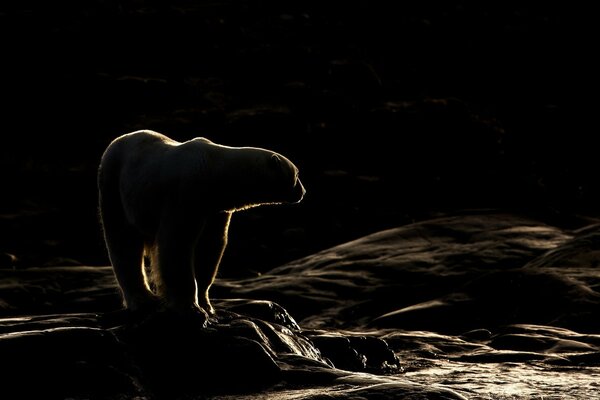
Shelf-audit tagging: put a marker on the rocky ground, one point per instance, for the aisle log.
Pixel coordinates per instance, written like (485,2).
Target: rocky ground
(471,306)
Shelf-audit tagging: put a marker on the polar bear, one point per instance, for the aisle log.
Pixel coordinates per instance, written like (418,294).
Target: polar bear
(171,202)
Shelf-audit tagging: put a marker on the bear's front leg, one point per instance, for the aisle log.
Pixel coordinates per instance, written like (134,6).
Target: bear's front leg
(174,273)
(209,250)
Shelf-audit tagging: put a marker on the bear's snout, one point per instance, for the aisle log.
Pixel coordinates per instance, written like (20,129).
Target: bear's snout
(298,192)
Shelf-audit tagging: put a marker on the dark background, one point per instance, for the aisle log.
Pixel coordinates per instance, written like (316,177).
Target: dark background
(393,111)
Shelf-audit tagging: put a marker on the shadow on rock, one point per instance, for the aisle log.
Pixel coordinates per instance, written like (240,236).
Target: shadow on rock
(164,355)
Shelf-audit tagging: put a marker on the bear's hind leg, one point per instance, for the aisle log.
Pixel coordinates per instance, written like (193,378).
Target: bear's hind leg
(125,250)
(208,254)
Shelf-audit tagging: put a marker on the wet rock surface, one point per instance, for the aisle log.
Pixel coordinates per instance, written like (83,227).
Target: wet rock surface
(429,310)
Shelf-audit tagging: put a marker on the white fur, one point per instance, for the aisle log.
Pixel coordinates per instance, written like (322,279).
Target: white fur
(172,202)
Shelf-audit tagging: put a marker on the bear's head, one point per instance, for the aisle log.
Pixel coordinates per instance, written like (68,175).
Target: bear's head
(285,173)
(269,179)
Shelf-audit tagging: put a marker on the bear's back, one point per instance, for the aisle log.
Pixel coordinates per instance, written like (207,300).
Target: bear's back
(139,140)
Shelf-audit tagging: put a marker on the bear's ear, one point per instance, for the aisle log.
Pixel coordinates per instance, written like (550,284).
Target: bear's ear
(275,161)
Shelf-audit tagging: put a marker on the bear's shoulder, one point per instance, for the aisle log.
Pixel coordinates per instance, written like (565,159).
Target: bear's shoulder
(202,140)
